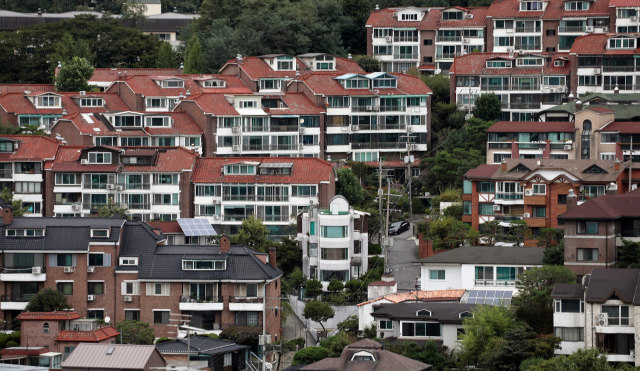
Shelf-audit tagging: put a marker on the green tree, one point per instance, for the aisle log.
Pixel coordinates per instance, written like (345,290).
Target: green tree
(73,75)
(370,331)
(133,15)
(481,331)
(454,211)
(135,332)
(245,335)
(309,355)
(67,48)
(349,186)
(335,344)
(508,352)
(550,237)
(48,300)
(16,204)
(446,169)
(349,325)
(584,359)
(193,56)
(628,254)
(335,285)
(440,86)
(518,232)
(368,63)
(112,209)
(318,311)
(534,304)
(313,287)
(555,255)
(428,354)
(528,363)
(289,255)
(487,107)
(252,234)
(297,279)
(167,57)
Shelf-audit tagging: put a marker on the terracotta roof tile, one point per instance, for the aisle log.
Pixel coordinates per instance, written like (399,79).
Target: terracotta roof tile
(626,127)
(256,68)
(215,104)
(624,3)
(432,295)
(526,127)
(591,44)
(476,64)
(599,109)
(483,171)
(92,336)
(433,20)
(111,74)
(306,170)
(327,85)
(33,148)
(296,104)
(147,85)
(607,207)
(167,227)
(65,154)
(19,104)
(24,351)
(21,88)
(53,316)
(168,160)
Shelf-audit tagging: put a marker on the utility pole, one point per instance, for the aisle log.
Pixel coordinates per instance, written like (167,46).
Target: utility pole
(380,192)
(408,159)
(386,229)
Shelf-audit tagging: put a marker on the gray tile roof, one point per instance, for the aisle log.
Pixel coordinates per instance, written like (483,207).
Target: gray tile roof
(573,291)
(139,239)
(26,222)
(440,312)
(488,255)
(623,282)
(199,344)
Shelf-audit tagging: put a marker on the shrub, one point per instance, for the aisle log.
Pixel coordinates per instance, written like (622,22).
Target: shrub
(309,355)
(11,344)
(163,339)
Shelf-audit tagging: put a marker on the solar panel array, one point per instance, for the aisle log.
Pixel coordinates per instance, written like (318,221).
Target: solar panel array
(490,297)
(196,227)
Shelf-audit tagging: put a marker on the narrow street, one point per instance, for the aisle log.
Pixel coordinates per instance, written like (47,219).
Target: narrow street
(401,257)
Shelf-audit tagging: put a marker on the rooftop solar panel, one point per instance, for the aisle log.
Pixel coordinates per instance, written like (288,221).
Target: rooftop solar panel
(196,227)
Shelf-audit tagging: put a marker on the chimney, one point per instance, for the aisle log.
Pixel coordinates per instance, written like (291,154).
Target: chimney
(503,165)
(7,215)
(93,212)
(515,152)
(239,58)
(616,165)
(350,56)
(225,245)
(578,105)
(272,256)
(572,200)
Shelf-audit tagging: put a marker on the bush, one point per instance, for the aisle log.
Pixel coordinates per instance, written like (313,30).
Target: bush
(11,344)
(309,355)
(15,336)
(4,338)
(163,339)
(374,249)
(528,363)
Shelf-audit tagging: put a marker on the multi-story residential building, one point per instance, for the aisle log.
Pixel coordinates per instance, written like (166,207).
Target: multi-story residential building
(151,182)
(273,189)
(600,313)
(334,241)
(489,271)
(535,191)
(427,38)
(525,83)
(129,129)
(620,105)
(406,322)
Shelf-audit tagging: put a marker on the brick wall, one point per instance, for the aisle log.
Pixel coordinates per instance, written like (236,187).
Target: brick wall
(47,190)
(273,314)
(133,100)
(186,195)
(71,134)
(550,41)
(32,332)
(8,118)
(606,247)
(205,122)
(369,40)
(428,50)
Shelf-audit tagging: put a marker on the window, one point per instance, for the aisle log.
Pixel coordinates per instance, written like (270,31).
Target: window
(568,306)
(48,101)
(27,187)
(569,333)
(285,63)
(558,63)
(386,325)
(587,254)
(191,240)
(553,80)
(622,43)
(32,207)
(127,121)
(99,158)
(97,233)
(95,313)
(246,318)
(531,5)
(165,179)
(69,349)
(45,328)
(96,288)
(618,314)
(562,199)
(303,191)
(156,103)
(328,276)
(576,5)
(240,169)
(551,32)
(529,62)
(539,212)
(486,187)
(67,179)
(270,84)
(357,83)
(193,264)
(161,317)
(214,84)
(498,64)
(128,261)
(466,187)
(420,329)
(485,209)
(335,231)
(252,290)
(91,102)
(65,287)
(409,17)
(173,84)
(65,260)
(335,254)
(207,190)
(498,157)
(25,232)
(166,199)
(466,207)
(192,141)
(382,32)
(587,227)
(609,137)
(427,42)
(539,189)
(484,273)
(133,315)
(436,274)
(96,260)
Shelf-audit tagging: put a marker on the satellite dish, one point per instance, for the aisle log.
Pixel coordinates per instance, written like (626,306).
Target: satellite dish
(438,71)
(107,319)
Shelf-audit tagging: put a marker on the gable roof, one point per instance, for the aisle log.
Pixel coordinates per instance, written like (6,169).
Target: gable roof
(325,84)
(199,345)
(488,255)
(91,336)
(623,282)
(146,85)
(167,160)
(31,148)
(476,64)
(48,316)
(430,295)
(19,104)
(526,127)
(125,356)
(567,291)
(295,104)
(433,20)
(256,68)
(606,207)
(440,312)
(21,88)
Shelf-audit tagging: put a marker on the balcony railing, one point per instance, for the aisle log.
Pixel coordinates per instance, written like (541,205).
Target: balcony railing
(509,196)
(255,128)
(500,145)
(284,128)
(572,28)
(402,39)
(405,56)
(137,206)
(630,233)
(204,299)
(449,38)
(28,172)
(527,46)
(620,86)
(18,298)
(29,270)
(494,87)
(531,145)
(6,174)
(508,217)
(620,321)
(525,87)
(626,147)
(94,185)
(393,108)
(364,108)
(273,198)
(495,283)
(379,145)
(284,147)
(67,202)
(245,299)
(524,105)
(618,68)
(238,197)
(255,147)
(528,29)
(561,146)
(446,55)
(587,196)
(93,205)
(273,218)
(236,218)
(135,185)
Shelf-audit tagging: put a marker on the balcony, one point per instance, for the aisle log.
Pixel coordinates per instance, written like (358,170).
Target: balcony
(494,87)
(284,147)
(524,106)
(531,145)
(255,128)
(510,196)
(449,38)
(528,29)
(393,108)
(135,185)
(138,206)
(209,303)
(561,146)
(527,46)
(405,39)
(626,147)
(495,283)
(525,87)
(508,217)
(379,145)
(94,185)
(23,274)
(6,174)
(406,56)
(15,302)
(93,205)
(582,197)
(572,29)
(364,108)
(620,86)
(273,218)
(235,217)
(255,147)
(447,55)
(283,128)
(273,198)
(629,233)
(618,69)
(245,303)
(228,197)
(620,321)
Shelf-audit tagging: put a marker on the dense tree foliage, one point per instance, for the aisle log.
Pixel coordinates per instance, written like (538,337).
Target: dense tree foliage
(7,196)
(318,311)
(74,74)
(628,254)
(349,186)
(487,107)
(48,300)
(167,57)
(135,332)
(309,355)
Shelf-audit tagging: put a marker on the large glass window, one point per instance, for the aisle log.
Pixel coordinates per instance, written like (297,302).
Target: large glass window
(335,254)
(618,314)
(486,187)
(485,209)
(420,329)
(335,231)
(569,333)
(466,207)
(328,276)
(587,227)
(587,254)
(466,187)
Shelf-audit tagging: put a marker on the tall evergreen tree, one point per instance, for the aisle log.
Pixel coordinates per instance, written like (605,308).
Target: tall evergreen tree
(74,74)
(167,57)
(67,48)
(193,56)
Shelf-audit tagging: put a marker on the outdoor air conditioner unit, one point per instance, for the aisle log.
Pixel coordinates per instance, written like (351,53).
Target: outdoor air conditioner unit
(311,202)
(510,50)
(111,187)
(216,217)
(605,29)
(368,108)
(68,269)
(124,206)
(75,207)
(184,298)
(596,71)
(528,192)
(84,162)
(561,89)
(496,207)
(235,129)
(236,147)
(465,40)
(470,16)
(395,14)
(36,270)
(302,130)
(128,298)
(376,108)
(91,297)
(82,92)
(300,146)
(388,38)
(634,18)
(552,90)
(602,319)
(119,187)
(91,269)
(589,28)
(527,215)
(567,147)
(355,127)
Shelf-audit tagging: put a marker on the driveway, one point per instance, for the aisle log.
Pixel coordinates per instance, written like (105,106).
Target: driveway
(401,257)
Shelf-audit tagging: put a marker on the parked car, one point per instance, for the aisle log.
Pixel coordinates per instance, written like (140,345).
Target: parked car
(398,227)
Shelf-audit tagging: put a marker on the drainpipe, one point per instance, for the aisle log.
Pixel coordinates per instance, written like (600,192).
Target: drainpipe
(264,325)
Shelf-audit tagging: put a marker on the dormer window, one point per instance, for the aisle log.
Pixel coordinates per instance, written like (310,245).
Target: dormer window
(529,62)
(521,167)
(133,160)
(99,233)
(126,121)
(452,16)
(128,261)
(270,84)
(324,62)
(356,84)
(384,83)
(409,17)
(25,232)
(240,170)
(466,315)
(558,63)
(99,158)
(530,5)
(363,356)
(423,312)
(248,104)
(197,265)
(576,5)
(595,169)
(156,103)
(48,101)
(91,102)
(498,64)
(622,43)
(172,84)
(285,63)
(157,122)
(214,84)
(6,146)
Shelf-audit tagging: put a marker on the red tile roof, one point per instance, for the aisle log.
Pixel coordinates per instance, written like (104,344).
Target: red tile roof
(215,104)
(590,44)
(599,109)
(433,20)
(296,104)
(624,3)
(51,316)
(383,283)
(526,127)
(476,64)
(427,67)
(92,336)
(167,227)
(482,171)
(501,9)
(306,170)
(555,10)
(77,167)
(66,154)
(431,295)
(387,164)
(24,351)
(32,148)
(256,68)
(607,207)
(111,74)
(627,127)
(385,18)
(147,86)
(168,160)
(19,104)
(326,84)
(21,88)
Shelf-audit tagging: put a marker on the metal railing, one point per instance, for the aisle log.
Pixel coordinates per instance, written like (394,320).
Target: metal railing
(135,185)
(620,86)
(28,172)
(502,145)
(93,205)
(508,217)
(527,46)
(364,108)
(284,128)
(531,145)
(29,270)
(238,197)
(618,68)
(393,108)
(572,28)
(528,29)
(255,147)
(401,39)
(626,147)
(509,196)
(204,299)
(630,233)
(525,87)
(22,298)
(449,38)
(273,218)
(620,321)
(236,218)
(494,87)
(255,128)
(406,56)
(137,206)
(560,145)
(379,145)
(273,198)
(6,174)
(67,202)
(245,299)
(523,106)
(94,185)
(588,196)
(446,55)
(495,282)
